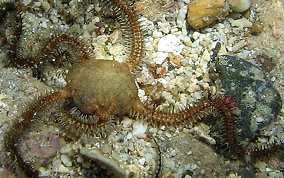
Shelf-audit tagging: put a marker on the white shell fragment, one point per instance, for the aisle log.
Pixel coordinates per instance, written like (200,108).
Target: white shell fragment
(110,163)
(170,43)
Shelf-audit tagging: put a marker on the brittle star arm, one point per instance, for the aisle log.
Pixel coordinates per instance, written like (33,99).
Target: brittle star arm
(188,116)
(12,138)
(220,108)
(50,46)
(132,32)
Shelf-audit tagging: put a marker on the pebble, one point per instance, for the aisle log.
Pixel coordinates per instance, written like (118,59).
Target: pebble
(149,157)
(44,24)
(45,5)
(170,43)
(241,23)
(54,19)
(181,16)
(27,2)
(206,12)
(256,28)
(126,122)
(142,161)
(129,136)
(261,165)
(160,57)
(43,172)
(66,160)
(63,169)
(240,5)
(66,149)
(139,129)
(277,33)
(157,34)
(164,27)
(239,45)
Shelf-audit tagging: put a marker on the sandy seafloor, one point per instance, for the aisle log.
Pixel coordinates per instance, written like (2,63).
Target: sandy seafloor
(185,152)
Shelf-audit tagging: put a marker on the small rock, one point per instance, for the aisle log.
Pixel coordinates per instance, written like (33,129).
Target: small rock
(241,23)
(45,5)
(277,33)
(126,122)
(114,36)
(260,165)
(247,173)
(164,27)
(66,160)
(206,12)
(240,5)
(170,43)
(239,45)
(142,161)
(27,2)
(129,136)
(256,28)
(139,128)
(43,146)
(66,149)
(63,169)
(181,16)
(160,57)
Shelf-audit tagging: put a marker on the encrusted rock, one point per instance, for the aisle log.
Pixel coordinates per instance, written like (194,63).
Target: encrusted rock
(252,92)
(206,12)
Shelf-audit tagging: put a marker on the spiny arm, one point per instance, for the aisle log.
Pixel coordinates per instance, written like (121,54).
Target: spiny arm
(12,138)
(129,22)
(50,46)
(189,116)
(222,108)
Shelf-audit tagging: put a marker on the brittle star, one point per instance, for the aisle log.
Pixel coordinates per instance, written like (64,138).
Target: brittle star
(98,91)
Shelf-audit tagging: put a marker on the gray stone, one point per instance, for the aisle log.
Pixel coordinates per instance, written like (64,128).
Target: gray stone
(252,92)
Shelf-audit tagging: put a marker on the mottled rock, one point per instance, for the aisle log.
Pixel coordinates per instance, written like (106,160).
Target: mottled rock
(253,93)
(41,147)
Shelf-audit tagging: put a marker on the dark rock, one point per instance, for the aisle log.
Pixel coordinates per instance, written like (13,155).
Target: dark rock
(252,92)
(245,173)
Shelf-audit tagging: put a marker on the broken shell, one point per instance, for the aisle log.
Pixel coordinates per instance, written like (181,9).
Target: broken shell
(206,12)
(107,162)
